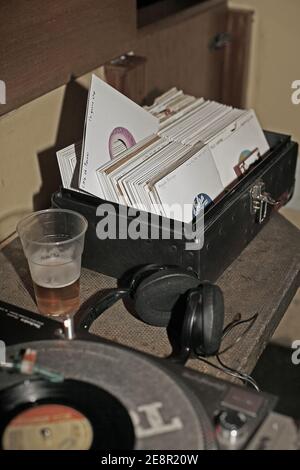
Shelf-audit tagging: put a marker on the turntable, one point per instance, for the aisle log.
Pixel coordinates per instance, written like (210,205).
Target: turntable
(93,394)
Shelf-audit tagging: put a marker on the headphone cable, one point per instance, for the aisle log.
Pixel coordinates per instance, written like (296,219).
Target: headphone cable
(232,372)
(245,378)
(233,325)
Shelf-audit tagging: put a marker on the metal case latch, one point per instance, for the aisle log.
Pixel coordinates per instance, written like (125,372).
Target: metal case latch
(260,200)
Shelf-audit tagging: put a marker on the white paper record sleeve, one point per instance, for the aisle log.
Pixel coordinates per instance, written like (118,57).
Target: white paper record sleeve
(194,184)
(111,119)
(242,140)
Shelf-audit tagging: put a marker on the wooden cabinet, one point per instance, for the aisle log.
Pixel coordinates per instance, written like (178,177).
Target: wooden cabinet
(179,52)
(46,43)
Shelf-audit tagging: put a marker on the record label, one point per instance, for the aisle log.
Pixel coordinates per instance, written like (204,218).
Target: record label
(48,427)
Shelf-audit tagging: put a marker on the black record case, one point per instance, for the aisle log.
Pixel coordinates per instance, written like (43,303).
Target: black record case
(229,224)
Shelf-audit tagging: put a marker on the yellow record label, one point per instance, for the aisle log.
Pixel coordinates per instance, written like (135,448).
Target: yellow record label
(48,427)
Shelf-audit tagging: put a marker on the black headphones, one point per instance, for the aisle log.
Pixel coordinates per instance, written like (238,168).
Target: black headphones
(168,295)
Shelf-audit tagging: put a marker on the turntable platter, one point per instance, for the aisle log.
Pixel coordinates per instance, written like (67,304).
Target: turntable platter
(111,397)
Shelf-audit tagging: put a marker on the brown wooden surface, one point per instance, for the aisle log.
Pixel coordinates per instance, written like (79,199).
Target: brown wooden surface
(44,43)
(236,60)
(178,53)
(128,75)
(263,279)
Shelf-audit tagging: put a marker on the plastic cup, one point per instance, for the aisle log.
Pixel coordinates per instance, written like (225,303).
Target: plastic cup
(53,242)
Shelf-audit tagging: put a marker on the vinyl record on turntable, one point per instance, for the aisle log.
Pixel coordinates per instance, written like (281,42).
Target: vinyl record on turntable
(63,417)
(111,398)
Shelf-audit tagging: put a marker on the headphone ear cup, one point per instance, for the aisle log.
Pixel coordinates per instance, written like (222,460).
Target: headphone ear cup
(208,325)
(202,327)
(191,329)
(160,294)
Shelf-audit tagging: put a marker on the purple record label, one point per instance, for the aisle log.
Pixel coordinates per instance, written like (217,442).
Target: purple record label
(124,136)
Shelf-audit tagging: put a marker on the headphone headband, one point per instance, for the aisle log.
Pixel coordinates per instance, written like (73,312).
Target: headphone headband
(149,269)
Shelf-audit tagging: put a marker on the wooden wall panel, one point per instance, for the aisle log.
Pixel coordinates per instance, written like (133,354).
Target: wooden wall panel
(236,61)
(127,74)
(43,43)
(180,54)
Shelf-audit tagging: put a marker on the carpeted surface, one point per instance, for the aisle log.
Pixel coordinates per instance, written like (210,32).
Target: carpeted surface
(276,374)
